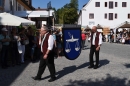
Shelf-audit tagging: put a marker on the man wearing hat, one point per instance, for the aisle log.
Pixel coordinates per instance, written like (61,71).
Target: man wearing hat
(4,40)
(47,43)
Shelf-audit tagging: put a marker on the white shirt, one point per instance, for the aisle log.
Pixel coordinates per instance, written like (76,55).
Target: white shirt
(100,39)
(50,42)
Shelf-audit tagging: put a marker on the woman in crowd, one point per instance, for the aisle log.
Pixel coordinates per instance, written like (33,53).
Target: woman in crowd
(32,43)
(83,36)
(24,41)
(59,42)
(14,47)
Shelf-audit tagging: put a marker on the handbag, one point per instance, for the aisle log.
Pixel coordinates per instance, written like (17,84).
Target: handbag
(25,42)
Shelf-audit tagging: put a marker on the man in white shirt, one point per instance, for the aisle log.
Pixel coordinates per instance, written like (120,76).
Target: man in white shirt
(96,41)
(47,43)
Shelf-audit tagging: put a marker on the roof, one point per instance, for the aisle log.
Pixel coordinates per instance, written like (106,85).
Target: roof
(87,3)
(84,6)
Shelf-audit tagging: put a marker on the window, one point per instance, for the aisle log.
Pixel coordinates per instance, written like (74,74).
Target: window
(97,4)
(1,3)
(105,4)
(24,9)
(91,16)
(116,16)
(128,16)
(19,7)
(110,5)
(10,5)
(110,16)
(115,4)
(124,4)
(105,16)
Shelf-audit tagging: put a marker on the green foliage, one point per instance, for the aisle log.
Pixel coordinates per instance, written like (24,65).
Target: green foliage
(74,4)
(70,19)
(33,27)
(68,13)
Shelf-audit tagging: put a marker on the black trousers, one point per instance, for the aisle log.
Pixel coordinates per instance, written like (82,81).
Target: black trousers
(83,43)
(92,51)
(47,62)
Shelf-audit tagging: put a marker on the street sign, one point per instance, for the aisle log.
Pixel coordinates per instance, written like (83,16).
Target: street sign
(71,41)
(49,5)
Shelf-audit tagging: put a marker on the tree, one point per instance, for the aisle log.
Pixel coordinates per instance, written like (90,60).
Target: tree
(68,14)
(70,19)
(74,4)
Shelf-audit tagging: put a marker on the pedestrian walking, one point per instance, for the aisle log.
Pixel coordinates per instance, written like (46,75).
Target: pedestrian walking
(96,41)
(47,59)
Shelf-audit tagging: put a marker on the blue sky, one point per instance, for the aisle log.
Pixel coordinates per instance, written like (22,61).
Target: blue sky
(55,3)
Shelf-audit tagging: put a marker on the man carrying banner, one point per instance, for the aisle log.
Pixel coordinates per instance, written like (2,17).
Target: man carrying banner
(96,41)
(47,59)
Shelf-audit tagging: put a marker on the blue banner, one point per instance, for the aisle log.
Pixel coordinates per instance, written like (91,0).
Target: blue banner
(71,41)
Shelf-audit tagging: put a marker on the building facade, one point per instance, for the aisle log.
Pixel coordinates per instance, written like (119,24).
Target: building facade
(1,5)
(15,5)
(107,13)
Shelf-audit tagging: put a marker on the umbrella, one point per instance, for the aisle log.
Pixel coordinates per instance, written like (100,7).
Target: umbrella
(11,20)
(99,26)
(126,24)
(87,28)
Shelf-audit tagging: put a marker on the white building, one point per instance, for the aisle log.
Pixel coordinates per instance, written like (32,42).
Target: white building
(107,13)
(24,8)
(15,5)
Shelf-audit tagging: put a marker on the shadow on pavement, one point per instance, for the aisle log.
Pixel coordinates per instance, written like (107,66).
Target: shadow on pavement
(109,81)
(103,62)
(127,65)
(8,76)
(71,69)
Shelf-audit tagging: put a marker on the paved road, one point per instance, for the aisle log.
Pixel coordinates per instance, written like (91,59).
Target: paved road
(114,70)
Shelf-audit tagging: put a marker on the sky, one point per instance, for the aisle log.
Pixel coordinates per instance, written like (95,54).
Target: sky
(55,3)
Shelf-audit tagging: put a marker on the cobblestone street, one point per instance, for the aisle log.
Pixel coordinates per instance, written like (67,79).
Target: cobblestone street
(114,70)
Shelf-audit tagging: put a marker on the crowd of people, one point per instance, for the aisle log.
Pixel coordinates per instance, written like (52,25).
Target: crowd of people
(122,37)
(23,44)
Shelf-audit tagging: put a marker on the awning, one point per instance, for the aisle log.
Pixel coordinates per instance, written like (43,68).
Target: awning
(39,14)
(11,20)
(34,14)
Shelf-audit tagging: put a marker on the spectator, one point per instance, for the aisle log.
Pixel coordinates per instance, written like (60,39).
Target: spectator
(24,41)
(5,40)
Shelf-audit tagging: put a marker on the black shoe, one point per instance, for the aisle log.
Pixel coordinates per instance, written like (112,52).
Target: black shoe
(90,66)
(52,79)
(35,78)
(95,67)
